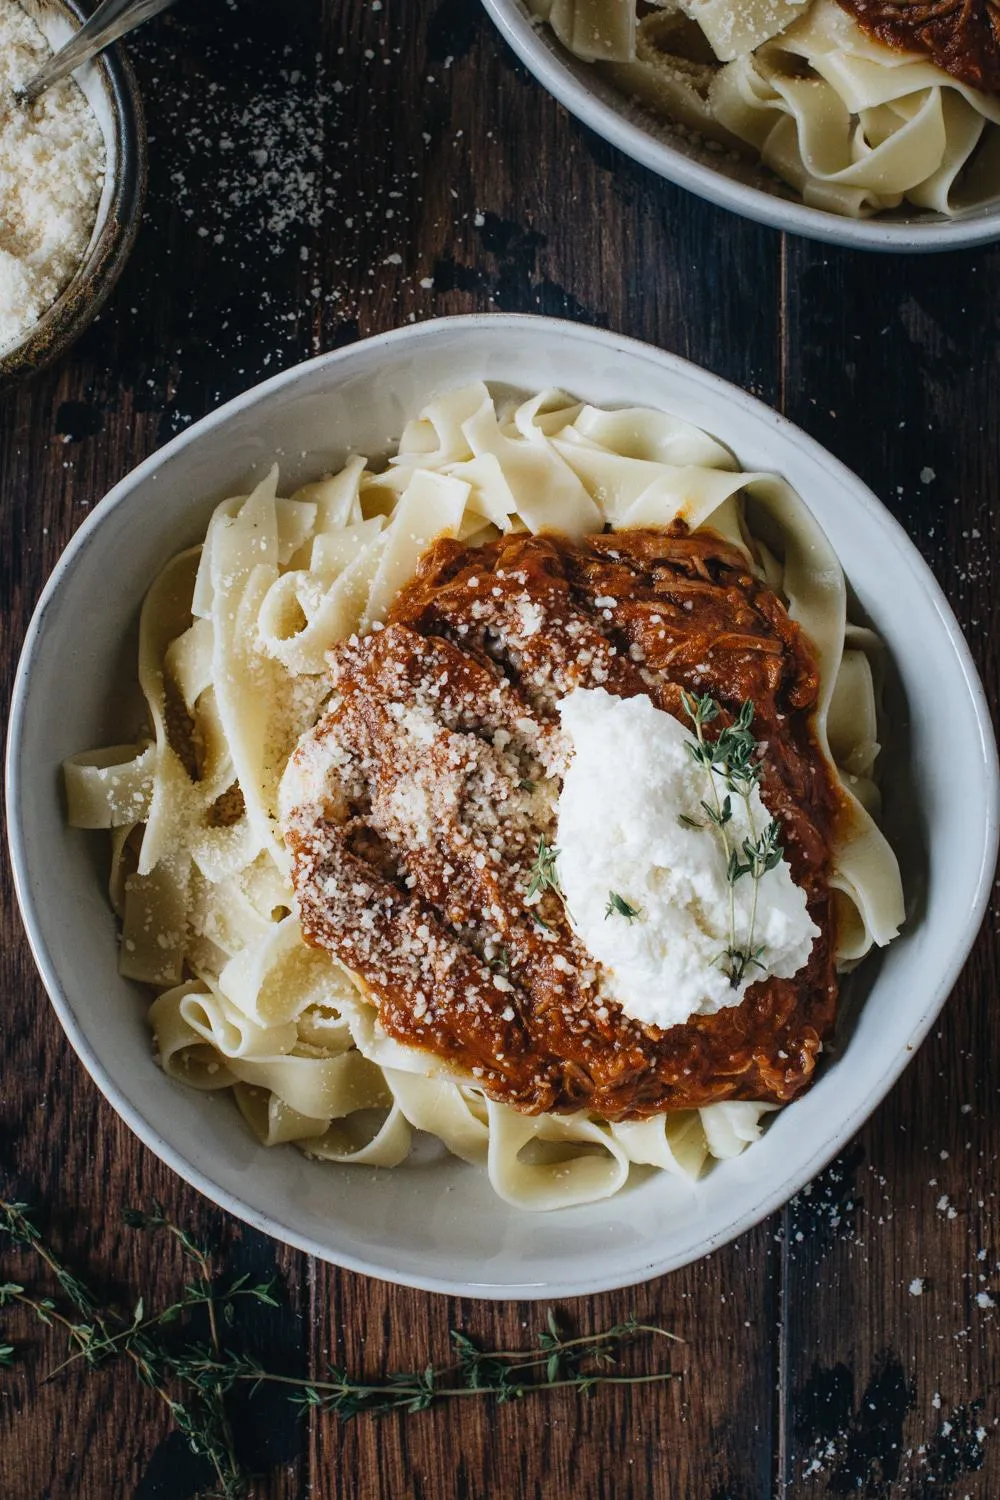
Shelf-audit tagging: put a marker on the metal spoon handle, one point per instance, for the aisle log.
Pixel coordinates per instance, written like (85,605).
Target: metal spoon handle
(111,19)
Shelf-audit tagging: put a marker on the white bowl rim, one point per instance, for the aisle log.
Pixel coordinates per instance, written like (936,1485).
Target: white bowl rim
(131,1113)
(558,78)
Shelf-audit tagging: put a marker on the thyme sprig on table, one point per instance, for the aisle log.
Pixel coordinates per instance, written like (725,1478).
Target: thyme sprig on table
(98,1336)
(734,757)
(194,1375)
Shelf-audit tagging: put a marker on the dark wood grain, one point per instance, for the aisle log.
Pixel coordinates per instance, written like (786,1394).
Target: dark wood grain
(313,183)
(894,1367)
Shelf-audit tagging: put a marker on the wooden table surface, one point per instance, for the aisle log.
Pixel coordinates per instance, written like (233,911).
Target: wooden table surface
(321,171)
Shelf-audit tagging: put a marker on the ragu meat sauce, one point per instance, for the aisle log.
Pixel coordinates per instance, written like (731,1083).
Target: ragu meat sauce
(439,769)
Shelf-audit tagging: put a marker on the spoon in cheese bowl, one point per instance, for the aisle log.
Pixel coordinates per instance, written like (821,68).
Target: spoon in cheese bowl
(111,20)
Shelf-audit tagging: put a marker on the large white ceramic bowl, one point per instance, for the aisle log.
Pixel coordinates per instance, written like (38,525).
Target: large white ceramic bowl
(438,1226)
(713,175)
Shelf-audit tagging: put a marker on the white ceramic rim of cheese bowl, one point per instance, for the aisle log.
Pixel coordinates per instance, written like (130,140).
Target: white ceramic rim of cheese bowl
(438,1226)
(618,120)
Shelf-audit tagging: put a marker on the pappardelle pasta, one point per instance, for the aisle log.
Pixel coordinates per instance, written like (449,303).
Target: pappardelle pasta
(352,751)
(855,126)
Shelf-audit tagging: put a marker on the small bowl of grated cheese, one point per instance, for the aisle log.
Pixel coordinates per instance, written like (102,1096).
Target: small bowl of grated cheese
(72,178)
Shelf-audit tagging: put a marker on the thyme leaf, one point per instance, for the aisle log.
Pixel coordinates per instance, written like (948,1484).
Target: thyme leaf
(543,875)
(194,1373)
(734,758)
(721,816)
(618,906)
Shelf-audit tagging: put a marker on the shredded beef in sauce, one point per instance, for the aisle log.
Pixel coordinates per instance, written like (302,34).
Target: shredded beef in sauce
(436,772)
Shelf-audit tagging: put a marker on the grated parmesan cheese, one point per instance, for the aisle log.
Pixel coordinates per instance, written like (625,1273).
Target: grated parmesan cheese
(52,162)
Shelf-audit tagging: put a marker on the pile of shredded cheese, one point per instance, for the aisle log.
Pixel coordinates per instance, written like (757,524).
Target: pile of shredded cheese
(52,161)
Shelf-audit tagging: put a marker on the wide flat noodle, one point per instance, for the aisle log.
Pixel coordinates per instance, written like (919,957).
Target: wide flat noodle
(536,1161)
(592,29)
(233,640)
(854,126)
(671,74)
(735,29)
(732,1125)
(108,788)
(455,1115)
(674,1142)
(865,870)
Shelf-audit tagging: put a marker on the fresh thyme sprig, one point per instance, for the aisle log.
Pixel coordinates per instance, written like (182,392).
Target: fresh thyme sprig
(734,757)
(554,1364)
(97,1336)
(543,875)
(194,1376)
(618,906)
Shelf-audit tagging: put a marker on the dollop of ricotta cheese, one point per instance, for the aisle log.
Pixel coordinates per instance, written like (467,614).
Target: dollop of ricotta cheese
(629,784)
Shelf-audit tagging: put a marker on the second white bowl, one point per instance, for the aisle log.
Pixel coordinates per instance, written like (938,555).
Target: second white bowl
(611,115)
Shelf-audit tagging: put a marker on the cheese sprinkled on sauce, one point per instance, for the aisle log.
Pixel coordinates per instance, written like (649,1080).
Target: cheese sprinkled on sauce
(629,783)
